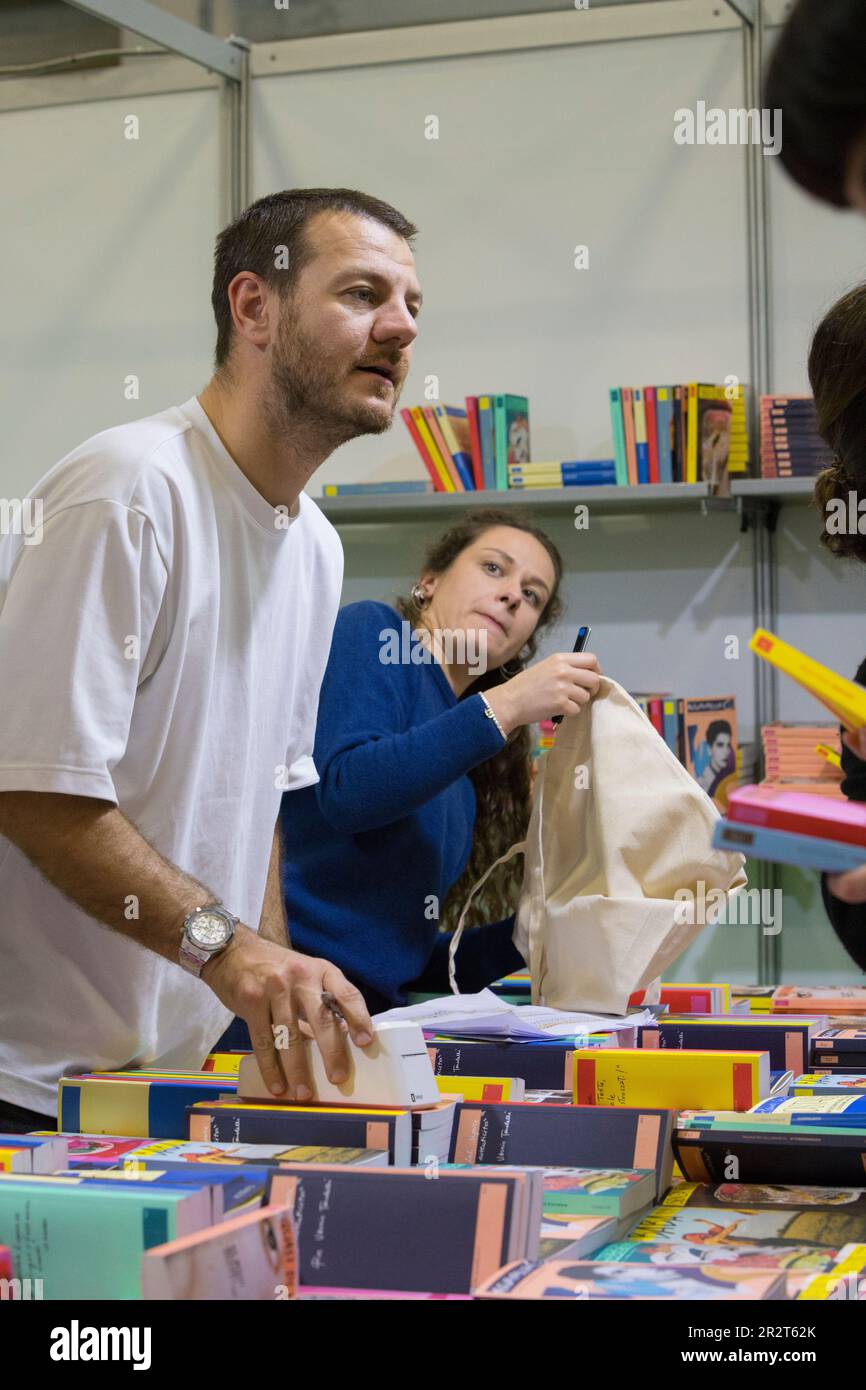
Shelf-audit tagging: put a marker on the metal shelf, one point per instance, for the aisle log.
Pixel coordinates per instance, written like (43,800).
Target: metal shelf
(396,507)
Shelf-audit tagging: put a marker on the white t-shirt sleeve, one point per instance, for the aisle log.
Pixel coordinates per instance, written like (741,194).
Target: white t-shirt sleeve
(76,627)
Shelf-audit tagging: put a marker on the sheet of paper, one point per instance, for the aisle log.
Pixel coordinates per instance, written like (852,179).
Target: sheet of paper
(485,1015)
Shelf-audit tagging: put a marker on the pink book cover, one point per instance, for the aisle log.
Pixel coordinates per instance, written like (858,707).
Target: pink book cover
(250,1258)
(800,812)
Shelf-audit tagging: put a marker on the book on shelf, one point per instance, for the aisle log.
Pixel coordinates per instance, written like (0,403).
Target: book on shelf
(386,489)
(682,434)
(790,443)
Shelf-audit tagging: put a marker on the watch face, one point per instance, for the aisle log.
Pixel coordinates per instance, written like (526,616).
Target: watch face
(209,929)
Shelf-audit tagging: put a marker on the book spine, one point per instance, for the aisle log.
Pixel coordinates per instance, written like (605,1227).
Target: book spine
(442,449)
(640,436)
(664,417)
(618,430)
(461,461)
(652,437)
(486,429)
(475,439)
(691,473)
(628,425)
(428,450)
(500,435)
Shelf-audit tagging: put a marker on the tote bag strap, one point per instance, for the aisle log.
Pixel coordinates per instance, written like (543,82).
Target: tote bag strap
(458,931)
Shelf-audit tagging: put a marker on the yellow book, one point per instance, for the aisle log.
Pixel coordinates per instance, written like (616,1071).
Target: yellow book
(432,448)
(493,1089)
(673,1078)
(844,1280)
(846,700)
(226,1063)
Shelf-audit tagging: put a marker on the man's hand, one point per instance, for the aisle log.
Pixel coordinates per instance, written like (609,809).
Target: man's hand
(269,986)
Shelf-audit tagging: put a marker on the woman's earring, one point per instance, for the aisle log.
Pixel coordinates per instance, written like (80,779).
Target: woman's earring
(420,598)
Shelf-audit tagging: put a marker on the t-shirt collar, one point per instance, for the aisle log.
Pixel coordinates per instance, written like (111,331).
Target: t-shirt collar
(262,512)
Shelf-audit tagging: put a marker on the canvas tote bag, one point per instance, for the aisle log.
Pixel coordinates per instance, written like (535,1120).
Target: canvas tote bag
(618,828)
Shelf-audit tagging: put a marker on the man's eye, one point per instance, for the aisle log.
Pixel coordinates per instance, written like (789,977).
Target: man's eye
(362,292)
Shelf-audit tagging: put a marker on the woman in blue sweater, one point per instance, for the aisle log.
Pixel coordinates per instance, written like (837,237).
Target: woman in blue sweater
(423,755)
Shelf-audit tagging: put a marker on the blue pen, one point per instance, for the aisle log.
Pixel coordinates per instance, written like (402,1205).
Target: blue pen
(579,646)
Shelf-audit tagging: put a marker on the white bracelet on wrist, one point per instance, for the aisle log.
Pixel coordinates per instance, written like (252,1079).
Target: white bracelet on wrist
(488,710)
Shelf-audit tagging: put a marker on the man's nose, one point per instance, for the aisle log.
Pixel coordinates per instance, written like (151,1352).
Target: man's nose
(394,323)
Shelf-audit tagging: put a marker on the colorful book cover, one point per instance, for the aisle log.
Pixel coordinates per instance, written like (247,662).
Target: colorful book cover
(419,420)
(799,812)
(237,1122)
(851,1201)
(168,1152)
(85,1240)
(784,847)
(251,1257)
(679,429)
(765,1154)
(442,449)
(539,1067)
(409,420)
(849,1040)
(493,1088)
(567,1135)
(133,1104)
(463,1226)
(710,744)
(229,1189)
(594,1280)
(640,436)
(718,1225)
(698,1253)
(677,1077)
(511,432)
(454,424)
(786,1042)
(846,700)
(826,1111)
(618,431)
(822,999)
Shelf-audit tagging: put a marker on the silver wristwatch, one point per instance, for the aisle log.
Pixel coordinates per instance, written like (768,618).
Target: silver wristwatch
(206,931)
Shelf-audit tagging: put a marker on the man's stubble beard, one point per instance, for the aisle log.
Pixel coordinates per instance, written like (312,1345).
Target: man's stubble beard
(302,394)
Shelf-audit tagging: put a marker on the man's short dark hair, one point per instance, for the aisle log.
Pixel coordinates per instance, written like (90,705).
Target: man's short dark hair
(254,240)
(817,78)
(718,726)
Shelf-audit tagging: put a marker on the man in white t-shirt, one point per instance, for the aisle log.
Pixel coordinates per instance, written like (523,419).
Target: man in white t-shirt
(163,635)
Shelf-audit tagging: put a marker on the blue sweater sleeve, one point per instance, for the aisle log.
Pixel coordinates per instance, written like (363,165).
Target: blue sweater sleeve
(375,767)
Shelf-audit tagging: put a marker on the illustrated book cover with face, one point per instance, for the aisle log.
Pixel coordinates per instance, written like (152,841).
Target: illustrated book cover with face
(710,745)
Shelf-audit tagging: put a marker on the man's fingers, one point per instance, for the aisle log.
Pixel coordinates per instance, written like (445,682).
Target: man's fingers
(293,1050)
(350,1002)
(328,1034)
(264,1046)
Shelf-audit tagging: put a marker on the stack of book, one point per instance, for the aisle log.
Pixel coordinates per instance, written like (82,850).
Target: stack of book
(803,757)
(679,434)
(549,1167)
(798,828)
(790,444)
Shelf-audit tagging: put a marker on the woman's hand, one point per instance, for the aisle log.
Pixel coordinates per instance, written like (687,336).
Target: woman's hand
(561,684)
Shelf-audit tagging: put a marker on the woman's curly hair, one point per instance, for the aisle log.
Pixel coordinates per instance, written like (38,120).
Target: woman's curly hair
(837,372)
(502,783)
